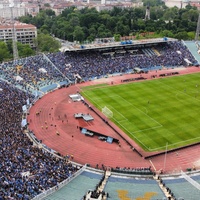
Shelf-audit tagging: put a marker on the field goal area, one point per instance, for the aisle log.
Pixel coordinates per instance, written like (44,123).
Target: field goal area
(107,112)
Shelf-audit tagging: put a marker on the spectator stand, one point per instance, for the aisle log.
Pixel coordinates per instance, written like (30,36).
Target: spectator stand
(27,76)
(23,173)
(132,187)
(33,74)
(59,186)
(86,182)
(93,64)
(182,186)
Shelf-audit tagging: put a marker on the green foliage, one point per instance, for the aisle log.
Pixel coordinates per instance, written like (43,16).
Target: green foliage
(153,2)
(191,35)
(4,52)
(182,35)
(167,33)
(117,37)
(24,50)
(47,5)
(47,43)
(93,24)
(49,12)
(78,34)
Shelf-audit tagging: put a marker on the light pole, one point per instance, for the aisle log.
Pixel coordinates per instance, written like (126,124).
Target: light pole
(165,157)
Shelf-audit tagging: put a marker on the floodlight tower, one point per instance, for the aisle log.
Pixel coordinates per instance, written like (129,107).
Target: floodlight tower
(14,38)
(198,29)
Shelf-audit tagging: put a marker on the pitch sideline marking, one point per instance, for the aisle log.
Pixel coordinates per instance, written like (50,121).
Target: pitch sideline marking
(179,91)
(119,123)
(125,119)
(150,149)
(141,111)
(175,143)
(131,133)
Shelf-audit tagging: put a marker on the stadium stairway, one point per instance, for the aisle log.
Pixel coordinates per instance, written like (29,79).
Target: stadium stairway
(193,49)
(102,186)
(162,187)
(100,189)
(156,51)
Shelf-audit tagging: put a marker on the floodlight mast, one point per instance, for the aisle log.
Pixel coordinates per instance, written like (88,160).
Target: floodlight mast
(198,29)
(14,39)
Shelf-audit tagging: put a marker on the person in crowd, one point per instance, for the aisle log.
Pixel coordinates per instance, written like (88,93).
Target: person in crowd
(25,169)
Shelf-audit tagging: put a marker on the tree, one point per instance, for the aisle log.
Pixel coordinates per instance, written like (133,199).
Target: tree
(153,2)
(74,21)
(46,43)
(167,33)
(106,23)
(191,15)
(191,35)
(4,52)
(44,29)
(170,14)
(49,12)
(24,50)
(89,19)
(78,34)
(117,37)
(182,35)
(141,24)
(26,19)
(111,23)
(47,5)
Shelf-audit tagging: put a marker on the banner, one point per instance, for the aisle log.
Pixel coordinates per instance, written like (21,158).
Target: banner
(24,108)
(28,101)
(23,123)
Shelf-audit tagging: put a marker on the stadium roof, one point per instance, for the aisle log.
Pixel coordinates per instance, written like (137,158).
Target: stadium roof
(116,45)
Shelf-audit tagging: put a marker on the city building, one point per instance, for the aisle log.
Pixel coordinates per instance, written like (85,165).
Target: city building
(5,10)
(25,33)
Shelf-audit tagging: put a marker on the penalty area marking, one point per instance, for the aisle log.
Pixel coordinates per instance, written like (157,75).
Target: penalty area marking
(131,133)
(125,119)
(141,111)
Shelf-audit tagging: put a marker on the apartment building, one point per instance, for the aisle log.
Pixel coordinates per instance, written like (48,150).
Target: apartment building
(25,33)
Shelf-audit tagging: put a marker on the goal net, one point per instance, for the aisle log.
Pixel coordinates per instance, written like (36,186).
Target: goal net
(107,112)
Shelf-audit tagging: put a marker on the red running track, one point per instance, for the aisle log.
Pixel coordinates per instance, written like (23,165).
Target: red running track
(58,129)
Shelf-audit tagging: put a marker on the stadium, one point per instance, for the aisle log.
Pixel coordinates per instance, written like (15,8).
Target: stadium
(114,120)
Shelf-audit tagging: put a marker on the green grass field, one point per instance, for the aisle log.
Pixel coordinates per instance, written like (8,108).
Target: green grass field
(155,113)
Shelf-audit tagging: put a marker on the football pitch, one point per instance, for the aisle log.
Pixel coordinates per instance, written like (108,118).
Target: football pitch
(157,114)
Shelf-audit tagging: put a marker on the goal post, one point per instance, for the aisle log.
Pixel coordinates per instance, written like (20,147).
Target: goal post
(107,112)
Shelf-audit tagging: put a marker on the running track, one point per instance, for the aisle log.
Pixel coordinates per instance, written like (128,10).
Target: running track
(57,115)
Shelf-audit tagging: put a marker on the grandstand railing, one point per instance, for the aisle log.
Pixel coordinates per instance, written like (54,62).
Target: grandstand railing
(190,180)
(59,186)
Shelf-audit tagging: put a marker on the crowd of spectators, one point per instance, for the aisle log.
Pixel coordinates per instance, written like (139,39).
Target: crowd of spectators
(25,169)
(96,64)
(31,73)
(127,170)
(34,72)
